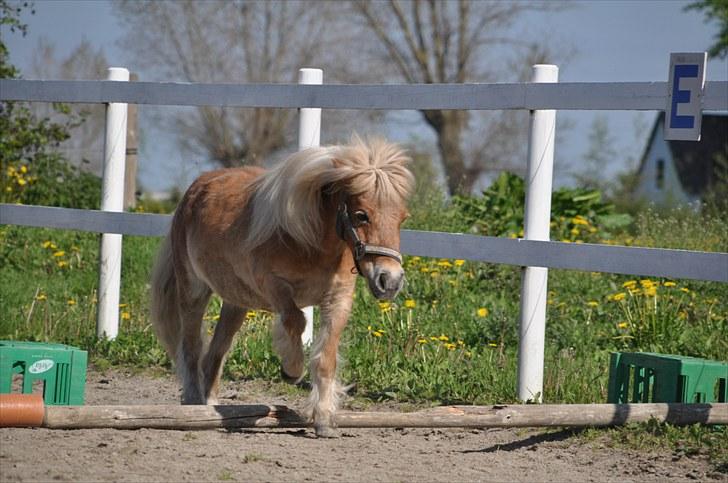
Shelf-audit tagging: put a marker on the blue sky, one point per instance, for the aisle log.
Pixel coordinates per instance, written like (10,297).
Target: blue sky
(614,41)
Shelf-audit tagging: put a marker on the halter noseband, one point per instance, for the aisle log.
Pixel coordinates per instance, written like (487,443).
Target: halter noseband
(345,227)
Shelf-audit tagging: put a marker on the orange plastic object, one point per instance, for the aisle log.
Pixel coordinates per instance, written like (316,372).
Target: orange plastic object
(21,410)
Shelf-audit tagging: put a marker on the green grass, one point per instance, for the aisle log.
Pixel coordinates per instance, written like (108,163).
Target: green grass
(450,337)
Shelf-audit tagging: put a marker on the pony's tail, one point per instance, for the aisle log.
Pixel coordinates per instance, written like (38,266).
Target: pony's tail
(164,303)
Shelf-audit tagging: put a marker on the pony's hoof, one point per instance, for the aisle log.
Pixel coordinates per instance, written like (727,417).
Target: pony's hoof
(290,379)
(326,432)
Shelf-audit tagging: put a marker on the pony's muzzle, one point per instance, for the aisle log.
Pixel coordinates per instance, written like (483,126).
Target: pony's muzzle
(386,282)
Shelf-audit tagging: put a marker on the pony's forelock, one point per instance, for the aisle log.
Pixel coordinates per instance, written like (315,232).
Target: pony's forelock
(288,198)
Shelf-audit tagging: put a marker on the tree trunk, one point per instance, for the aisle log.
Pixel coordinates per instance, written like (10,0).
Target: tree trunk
(449,126)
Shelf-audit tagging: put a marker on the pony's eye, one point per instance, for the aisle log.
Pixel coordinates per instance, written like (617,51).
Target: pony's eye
(361,217)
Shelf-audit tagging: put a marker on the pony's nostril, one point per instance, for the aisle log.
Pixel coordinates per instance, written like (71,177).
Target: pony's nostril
(382,280)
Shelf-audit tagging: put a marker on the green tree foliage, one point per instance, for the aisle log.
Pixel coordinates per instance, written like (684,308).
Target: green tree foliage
(716,10)
(31,170)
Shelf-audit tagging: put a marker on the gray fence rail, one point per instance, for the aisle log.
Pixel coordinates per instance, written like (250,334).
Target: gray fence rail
(648,96)
(656,262)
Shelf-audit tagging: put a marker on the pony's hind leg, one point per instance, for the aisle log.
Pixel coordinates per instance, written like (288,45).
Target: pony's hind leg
(231,319)
(192,309)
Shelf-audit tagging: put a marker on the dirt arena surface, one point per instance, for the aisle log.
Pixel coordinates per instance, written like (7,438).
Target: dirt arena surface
(417,455)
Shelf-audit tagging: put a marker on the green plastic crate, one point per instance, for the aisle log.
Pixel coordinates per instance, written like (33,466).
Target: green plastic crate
(646,377)
(59,369)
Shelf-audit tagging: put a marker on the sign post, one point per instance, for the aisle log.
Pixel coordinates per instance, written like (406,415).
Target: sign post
(686,86)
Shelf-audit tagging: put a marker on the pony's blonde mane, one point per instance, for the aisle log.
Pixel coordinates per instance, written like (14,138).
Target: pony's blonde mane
(288,198)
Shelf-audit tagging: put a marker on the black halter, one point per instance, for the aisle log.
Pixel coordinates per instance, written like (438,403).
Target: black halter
(345,227)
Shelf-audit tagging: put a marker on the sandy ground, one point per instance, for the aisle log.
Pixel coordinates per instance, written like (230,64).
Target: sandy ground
(420,455)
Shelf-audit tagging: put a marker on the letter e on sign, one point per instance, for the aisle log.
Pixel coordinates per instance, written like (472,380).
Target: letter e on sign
(686,84)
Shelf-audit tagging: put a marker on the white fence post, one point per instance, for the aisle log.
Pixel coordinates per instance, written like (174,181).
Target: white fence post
(537,219)
(309,135)
(112,199)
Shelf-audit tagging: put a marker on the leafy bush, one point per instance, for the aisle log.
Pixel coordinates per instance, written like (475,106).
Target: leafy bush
(32,172)
(577,214)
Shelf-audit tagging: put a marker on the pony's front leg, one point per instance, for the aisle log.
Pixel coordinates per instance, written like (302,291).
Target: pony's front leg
(287,329)
(326,391)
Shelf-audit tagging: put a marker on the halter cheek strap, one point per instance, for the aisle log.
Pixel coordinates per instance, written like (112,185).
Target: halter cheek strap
(345,228)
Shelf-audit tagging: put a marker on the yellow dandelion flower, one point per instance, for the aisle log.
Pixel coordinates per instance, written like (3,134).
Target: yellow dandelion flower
(574,231)
(424,269)
(492,344)
(450,346)
(651,291)
(619,296)
(71,302)
(444,263)
(482,312)
(41,296)
(647,283)
(435,273)
(669,284)
(579,220)
(432,337)
(459,263)
(385,306)
(47,244)
(23,169)
(62,264)
(622,325)
(59,253)
(593,303)
(121,306)
(629,283)
(125,316)
(444,338)
(410,304)
(685,289)
(250,314)
(461,342)
(377,334)
(422,341)
(21,181)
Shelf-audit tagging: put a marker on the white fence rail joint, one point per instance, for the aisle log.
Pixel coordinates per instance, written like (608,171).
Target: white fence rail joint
(655,262)
(646,96)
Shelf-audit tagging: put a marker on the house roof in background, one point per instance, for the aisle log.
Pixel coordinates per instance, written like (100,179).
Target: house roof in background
(695,162)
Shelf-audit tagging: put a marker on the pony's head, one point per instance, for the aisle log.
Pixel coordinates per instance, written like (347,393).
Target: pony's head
(366,182)
(371,206)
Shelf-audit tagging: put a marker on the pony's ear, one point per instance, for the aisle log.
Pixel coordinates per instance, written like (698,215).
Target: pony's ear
(330,190)
(337,162)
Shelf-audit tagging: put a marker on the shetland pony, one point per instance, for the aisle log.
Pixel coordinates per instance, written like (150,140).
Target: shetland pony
(291,237)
